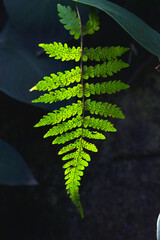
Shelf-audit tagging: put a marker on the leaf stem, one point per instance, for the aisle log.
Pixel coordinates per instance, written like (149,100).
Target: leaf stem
(81,66)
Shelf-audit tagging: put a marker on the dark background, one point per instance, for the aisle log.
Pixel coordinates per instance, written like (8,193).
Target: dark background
(120,189)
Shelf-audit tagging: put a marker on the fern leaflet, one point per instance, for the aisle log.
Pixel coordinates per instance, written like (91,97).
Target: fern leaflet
(103,54)
(70,20)
(93,23)
(62,51)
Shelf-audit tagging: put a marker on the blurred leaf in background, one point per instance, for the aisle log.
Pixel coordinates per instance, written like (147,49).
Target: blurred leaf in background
(13,170)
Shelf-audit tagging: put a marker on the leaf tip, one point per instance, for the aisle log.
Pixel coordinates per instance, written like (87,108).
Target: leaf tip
(33,88)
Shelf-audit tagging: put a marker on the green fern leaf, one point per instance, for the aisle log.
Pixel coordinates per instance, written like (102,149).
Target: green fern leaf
(93,23)
(60,95)
(97,123)
(62,51)
(102,70)
(85,156)
(69,147)
(58,80)
(70,156)
(89,146)
(105,87)
(92,134)
(68,136)
(103,109)
(72,146)
(71,125)
(65,126)
(76,165)
(70,20)
(61,115)
(76,134)
(103,54)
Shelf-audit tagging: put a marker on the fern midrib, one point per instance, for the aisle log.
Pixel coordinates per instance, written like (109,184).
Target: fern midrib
(81,69)
(80,149)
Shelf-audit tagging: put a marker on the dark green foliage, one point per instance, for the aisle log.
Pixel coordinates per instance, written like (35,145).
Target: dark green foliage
(93,23)
(70,20)
(73,122)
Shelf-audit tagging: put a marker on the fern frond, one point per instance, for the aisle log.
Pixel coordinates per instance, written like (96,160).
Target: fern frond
(71,125)
(105,87)
(70,20)
(61,115)
(60,95)
(58,80)
(103,54)
(62,51)
(93,23)
(103,109)
(102,70)
(97,123)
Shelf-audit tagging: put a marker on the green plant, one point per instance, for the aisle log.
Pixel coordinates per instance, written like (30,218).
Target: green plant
(74,122)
